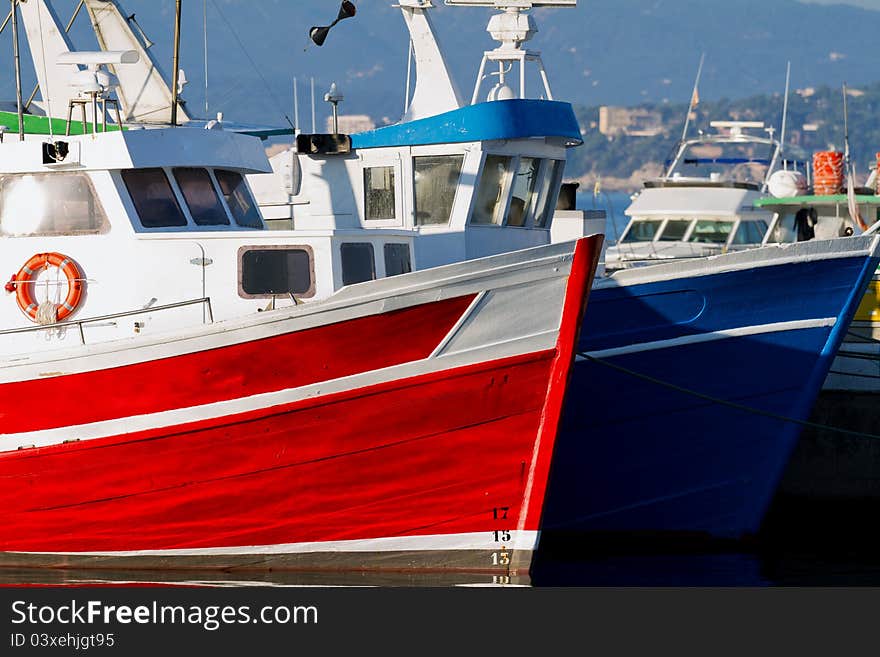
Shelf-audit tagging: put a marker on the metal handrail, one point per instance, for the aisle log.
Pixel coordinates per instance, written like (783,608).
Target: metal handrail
(79,323)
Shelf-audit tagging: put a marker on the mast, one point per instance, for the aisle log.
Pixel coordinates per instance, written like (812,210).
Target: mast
(176,72)
(18,102)
(692,104)
(785,106)
(779,147)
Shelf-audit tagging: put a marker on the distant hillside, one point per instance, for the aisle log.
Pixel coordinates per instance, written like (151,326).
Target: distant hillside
(622,162)
(620,52)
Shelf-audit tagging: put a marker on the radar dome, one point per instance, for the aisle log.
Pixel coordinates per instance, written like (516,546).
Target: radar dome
(787,183)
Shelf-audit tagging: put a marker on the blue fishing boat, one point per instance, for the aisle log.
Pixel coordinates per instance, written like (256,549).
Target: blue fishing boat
(690,384)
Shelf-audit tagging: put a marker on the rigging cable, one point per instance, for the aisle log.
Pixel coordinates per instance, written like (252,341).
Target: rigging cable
(205,28)
(250,59)
(46,77)
(722,402)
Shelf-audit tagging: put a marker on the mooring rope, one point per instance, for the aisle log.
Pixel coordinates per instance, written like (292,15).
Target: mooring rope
(723,402)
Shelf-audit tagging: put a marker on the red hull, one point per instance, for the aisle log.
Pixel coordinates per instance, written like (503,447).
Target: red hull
(390,466)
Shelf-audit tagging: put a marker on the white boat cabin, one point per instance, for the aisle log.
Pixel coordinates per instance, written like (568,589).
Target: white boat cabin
(177,202)
(467,179)
(704,203)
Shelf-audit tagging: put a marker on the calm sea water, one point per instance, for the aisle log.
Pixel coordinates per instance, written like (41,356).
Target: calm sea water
(614,203)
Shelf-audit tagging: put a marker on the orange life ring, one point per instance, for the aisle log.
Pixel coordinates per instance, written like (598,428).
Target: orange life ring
(24,284)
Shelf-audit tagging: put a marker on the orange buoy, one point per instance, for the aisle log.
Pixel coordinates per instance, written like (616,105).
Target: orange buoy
(24,284)
(827,172)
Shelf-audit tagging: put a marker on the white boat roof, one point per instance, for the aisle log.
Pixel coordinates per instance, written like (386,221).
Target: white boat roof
(690,201)
(146,148)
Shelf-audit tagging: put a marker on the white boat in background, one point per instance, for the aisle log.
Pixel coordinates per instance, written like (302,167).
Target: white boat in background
(704,203)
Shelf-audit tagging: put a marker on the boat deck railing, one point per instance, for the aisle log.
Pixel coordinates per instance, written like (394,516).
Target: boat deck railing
(207,317)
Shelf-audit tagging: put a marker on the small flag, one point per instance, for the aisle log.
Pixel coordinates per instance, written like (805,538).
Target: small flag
(695,99)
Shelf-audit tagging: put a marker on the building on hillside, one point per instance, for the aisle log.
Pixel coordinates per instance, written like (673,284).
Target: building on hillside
(634,122)
(349,124)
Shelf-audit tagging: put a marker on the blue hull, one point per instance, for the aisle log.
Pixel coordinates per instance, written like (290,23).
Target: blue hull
(637,455)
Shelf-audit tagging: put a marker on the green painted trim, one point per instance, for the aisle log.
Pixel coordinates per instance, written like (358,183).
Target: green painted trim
(816,200)
(39,125)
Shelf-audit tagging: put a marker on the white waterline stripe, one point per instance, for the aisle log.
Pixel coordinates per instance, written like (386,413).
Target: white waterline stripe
(742,331)
(520,540)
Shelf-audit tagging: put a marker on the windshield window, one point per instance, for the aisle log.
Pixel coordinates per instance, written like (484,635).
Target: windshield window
(153,198)
(549,192)
(490,204)
(436,178)
(642,230)
(675,230)
(523,191)
(749,232)
(201,197)
(238,198)
(49,204)
(713,232)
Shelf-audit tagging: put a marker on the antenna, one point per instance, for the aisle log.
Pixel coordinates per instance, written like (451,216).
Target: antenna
(205,49)
(779,146)
(853,206)
(785,105)
(313,107)
(295,106)
(175,87)
(694,97)
(845,129)
(334,97)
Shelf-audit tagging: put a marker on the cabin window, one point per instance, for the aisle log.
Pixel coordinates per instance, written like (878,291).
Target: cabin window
(49,204)
(397,260)
(201,197)
(490,193)
(238,198)
(523,191)
(712,232)
(357,262)
(436,179)
(273,271)
(675,230)
(549,192)
(379,193)
(153,198)
(641,230)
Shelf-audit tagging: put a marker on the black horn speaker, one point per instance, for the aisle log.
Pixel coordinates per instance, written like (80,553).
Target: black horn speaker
(319,34)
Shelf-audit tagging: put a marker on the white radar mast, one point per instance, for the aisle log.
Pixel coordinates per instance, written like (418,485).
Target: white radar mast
(512,27)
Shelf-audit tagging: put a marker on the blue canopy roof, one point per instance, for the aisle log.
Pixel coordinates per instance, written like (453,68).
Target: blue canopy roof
(499,119)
